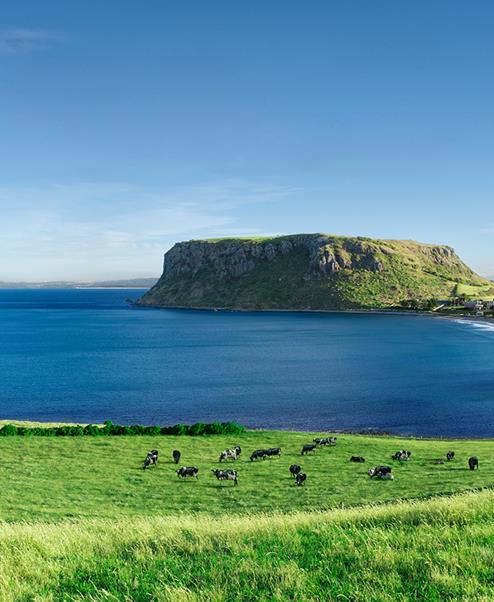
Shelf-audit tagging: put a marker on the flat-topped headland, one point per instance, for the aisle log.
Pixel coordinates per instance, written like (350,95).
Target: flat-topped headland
(309,272)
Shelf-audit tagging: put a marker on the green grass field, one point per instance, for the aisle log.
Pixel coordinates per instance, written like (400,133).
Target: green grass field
(86,477)
(81,520)
(485,292)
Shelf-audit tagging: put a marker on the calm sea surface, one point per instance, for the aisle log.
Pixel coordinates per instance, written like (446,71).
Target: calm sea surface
(84,355)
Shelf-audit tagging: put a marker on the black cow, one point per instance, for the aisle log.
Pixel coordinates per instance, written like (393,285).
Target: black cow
(238,449)
(295,469)
(357,459)
(273,451)
(473,463)
(225,475)
(176,456)
(187,471)
(258,453)
(450,455)
(380,472)
(151,459)
(300,478)
(308,448)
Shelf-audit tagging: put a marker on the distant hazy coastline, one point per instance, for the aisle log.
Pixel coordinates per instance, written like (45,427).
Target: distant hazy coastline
(140,283)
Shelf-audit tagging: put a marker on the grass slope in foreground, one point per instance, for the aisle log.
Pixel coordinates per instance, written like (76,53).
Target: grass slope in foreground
(440,549)
(83,521)
(309,271)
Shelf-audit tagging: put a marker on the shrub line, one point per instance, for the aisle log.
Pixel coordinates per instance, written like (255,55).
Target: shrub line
(110,430)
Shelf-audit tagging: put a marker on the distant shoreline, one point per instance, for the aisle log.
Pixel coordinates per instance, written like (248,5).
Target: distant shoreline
(386,312)
(71,288)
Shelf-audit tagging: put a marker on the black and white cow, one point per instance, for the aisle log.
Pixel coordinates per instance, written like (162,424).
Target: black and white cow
(380,472)
(258,453)
(176,456)
(308,448)
(187,471)
(300,479)
(226,475)
(295,469)
(151,459)
(473,463)
(229,454)
(402,455)
(325,441)
(450,455)
(357,459)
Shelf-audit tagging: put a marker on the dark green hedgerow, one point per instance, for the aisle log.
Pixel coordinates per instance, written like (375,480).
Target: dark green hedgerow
(110,429)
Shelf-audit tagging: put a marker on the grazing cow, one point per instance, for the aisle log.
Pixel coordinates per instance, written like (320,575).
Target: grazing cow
(273,451)
(324,441)
(176,456)
(151,459)
(357,459)
(308,448)
(187,471)
(402,455)
(473,463)
(450,455)
(258,453)
(228,454)
(225,475)
(380,472)
(300,478)
(295,469)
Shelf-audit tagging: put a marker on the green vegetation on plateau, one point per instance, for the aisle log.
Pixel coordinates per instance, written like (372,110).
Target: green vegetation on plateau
(309,271)
(81,520)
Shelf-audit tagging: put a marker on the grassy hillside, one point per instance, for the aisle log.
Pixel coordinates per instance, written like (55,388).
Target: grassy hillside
(81,520)
(438,549)
(308,271)
(88,477)
(475,291)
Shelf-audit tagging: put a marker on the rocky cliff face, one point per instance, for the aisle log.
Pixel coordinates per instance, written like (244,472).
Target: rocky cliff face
(316,270)
(232,258)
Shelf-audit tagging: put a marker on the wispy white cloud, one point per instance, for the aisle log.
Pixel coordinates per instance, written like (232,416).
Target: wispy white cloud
(22,40)
(87,231)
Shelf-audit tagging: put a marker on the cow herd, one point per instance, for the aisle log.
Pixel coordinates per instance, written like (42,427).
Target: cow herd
(233,453)
(402,455)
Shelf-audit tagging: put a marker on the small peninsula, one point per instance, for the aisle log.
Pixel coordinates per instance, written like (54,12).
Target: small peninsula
(310,271)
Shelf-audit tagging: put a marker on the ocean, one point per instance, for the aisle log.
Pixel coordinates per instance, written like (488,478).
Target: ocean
(88,356)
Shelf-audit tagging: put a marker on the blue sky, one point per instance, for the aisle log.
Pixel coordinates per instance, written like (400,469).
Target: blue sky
(126,126)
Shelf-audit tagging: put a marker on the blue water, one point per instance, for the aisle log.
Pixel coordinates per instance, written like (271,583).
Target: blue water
(85,355)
